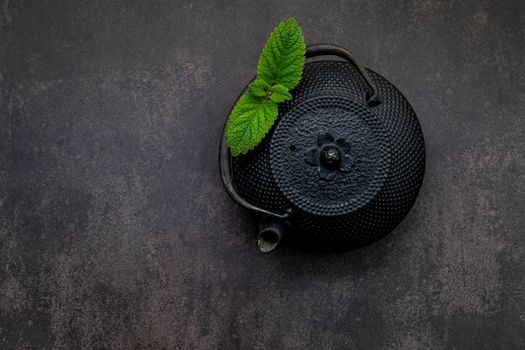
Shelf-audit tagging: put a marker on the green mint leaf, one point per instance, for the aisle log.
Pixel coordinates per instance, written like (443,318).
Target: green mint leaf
(259,87)
(282,58)
(280,69)
(250,120)
(279,94)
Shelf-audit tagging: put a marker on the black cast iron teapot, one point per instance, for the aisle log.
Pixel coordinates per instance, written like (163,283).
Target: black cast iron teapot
(342,165)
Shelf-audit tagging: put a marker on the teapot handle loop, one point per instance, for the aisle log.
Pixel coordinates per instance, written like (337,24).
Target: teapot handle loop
(372,98)
(228,183)
(272,225)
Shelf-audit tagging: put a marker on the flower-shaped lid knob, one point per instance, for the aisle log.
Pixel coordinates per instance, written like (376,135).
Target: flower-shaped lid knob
(330,154)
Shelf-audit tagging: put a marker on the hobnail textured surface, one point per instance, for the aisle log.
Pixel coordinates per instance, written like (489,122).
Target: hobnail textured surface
(319,227)
(338,192)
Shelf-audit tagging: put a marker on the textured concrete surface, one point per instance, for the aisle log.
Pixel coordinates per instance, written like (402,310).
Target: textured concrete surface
(115,232)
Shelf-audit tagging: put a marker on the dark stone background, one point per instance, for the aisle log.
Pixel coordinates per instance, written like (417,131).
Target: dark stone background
(115,232)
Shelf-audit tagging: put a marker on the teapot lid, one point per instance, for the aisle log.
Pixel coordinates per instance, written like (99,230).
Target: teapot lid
(330,155)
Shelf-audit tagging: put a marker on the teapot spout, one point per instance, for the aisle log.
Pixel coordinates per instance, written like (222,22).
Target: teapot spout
(270,234)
